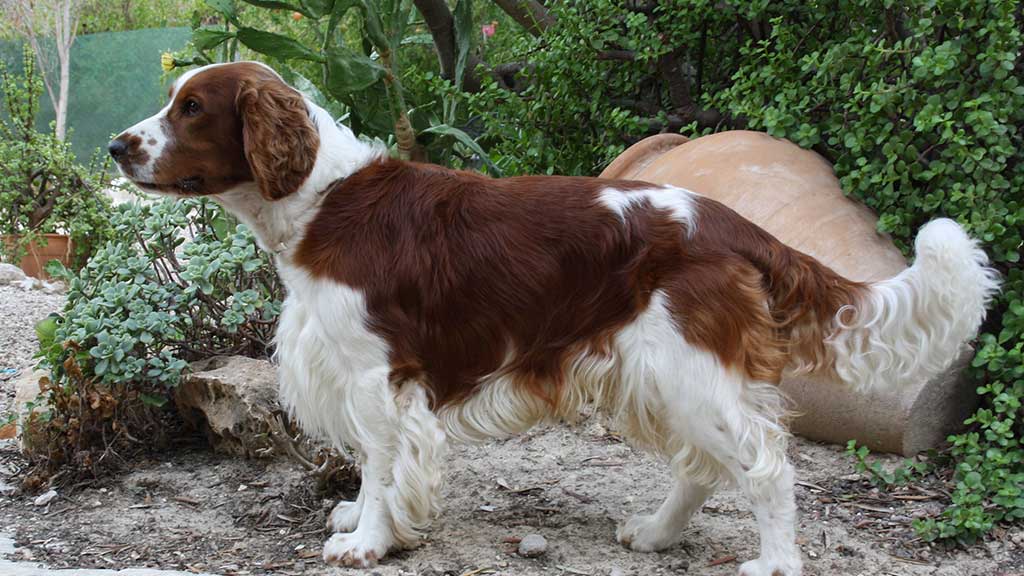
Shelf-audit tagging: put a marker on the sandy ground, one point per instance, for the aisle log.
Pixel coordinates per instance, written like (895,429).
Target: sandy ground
(193,510)
(190,509)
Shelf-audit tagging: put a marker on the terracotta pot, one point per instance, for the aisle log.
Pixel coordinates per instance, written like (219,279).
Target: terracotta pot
(794,194)
(58,247)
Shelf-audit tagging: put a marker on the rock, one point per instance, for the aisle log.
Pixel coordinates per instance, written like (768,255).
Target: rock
(55,287)
(7,489)
(233,399)
(616,572)
(532,546)
(9,274)
(45,498)
(27,388)
(681,566)
(28,283)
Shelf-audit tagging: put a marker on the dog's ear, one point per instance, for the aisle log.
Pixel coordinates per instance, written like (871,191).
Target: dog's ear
(279,137)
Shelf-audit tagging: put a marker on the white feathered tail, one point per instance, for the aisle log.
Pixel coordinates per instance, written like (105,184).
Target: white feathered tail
(910,327)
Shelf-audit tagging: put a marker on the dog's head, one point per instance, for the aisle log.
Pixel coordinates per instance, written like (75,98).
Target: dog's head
(225,125)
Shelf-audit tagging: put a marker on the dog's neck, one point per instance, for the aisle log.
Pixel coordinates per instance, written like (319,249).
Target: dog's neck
(279,225)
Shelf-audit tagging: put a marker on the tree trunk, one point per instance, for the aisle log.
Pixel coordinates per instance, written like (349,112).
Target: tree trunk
(530,14)
(65,25)
(38,19)
(441,24)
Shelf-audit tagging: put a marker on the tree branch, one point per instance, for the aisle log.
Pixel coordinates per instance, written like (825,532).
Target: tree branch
(530,14)
(626,55)
(678,85)
(441,24)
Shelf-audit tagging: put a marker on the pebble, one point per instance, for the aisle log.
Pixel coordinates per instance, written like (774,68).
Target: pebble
(45,498)
(681,566)
(616,572)
(532,546)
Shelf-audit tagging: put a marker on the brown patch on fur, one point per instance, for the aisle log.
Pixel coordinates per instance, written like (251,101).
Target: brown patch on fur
(467,276)
(462,271)
(280,140)
(135,154)
(802,296)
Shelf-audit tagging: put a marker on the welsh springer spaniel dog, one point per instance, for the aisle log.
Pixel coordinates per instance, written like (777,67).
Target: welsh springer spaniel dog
(426,304)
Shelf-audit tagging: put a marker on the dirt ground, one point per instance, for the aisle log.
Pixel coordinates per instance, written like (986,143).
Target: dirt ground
(191,509)
(194,510)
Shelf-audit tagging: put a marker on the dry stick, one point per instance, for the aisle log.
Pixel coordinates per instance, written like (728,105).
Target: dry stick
(722,560)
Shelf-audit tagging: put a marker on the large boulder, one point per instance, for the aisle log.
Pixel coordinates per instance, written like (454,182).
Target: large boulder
(233,399)
(793,193)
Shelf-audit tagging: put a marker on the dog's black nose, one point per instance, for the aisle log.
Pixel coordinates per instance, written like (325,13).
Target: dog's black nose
(117,148)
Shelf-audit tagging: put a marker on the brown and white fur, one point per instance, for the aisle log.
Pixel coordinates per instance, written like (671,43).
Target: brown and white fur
(427,304)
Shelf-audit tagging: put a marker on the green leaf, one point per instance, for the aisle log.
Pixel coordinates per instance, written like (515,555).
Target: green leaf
(207,38)
(278,5)
(373,24)
(224,7)
(446,130)
(152,400)
(348,72)
(318,8)
(463,37)
(337,12)
(420,39)
(276,45)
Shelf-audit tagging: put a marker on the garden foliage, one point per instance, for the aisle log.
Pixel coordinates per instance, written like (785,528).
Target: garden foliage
(921,107)
(918,104)
(178,282)
(42,187)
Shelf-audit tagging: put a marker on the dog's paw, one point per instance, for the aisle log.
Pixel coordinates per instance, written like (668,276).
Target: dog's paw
(642,533)
(355,550)
(345,516)
(765,567)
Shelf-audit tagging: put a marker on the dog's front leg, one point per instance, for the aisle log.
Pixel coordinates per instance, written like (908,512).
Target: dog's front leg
(402,446)
(373,537)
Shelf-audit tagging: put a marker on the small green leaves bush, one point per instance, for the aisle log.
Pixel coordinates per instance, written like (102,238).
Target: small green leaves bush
(43,189)
(180,282)
(921,108)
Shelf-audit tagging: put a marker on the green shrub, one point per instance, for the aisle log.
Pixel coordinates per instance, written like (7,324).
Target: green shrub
(42,187)
(179,282)
(348,57)
(921,108)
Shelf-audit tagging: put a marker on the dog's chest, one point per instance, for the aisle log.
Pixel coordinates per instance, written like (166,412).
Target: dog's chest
(326,352)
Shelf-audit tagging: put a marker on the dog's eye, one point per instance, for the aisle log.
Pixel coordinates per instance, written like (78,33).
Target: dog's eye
(190,107)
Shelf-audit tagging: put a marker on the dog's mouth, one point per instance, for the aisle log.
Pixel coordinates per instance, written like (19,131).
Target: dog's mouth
(190,186)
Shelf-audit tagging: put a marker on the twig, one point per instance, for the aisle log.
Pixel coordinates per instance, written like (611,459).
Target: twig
(722,560)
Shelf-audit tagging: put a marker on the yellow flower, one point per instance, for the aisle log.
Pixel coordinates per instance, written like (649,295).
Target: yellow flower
(167,61)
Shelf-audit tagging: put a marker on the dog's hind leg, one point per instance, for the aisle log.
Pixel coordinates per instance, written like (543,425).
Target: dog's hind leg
(737,424)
